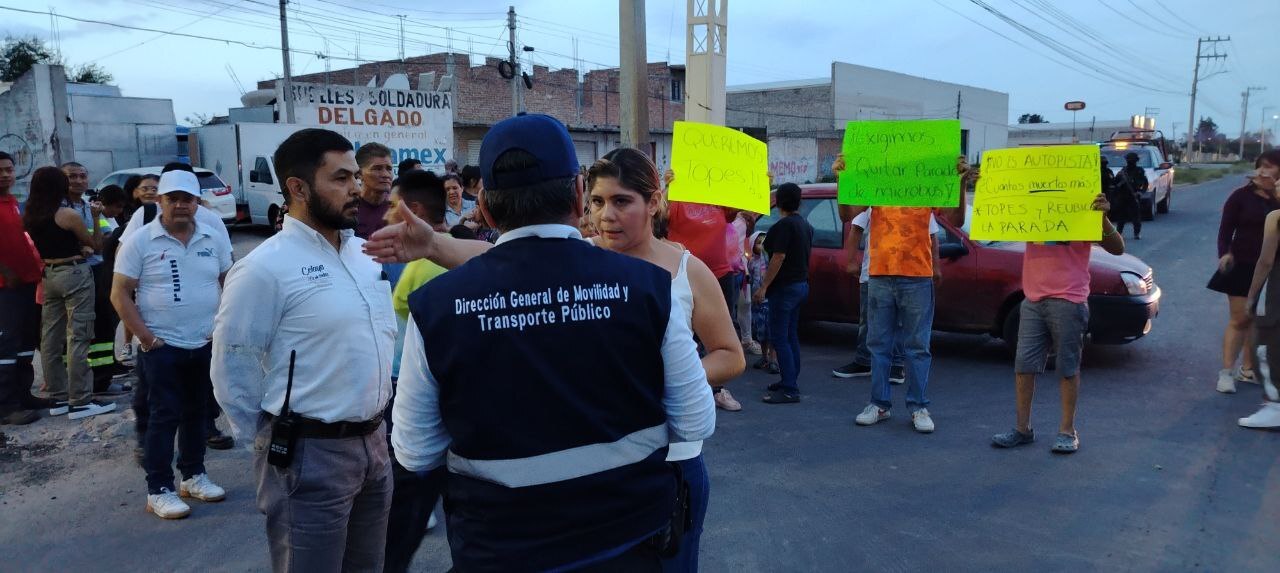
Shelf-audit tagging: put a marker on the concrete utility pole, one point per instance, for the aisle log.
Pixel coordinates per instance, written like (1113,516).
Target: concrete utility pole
(284,52)
(1244,113)
(515,64)
(1195,82)
(634,70)
(706,43)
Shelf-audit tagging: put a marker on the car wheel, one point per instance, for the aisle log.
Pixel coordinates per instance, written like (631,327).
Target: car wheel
(1163,206)
(1148,211)
(273,214)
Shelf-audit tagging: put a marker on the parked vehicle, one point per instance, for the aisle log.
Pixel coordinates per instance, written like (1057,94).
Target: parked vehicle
(981,288)
(1151,158)
(241,154)
(214,192)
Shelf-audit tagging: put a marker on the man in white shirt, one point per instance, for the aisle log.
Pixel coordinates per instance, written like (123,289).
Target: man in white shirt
(309,290)
(176,266)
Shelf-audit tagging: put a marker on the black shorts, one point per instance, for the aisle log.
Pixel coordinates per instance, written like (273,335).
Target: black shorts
(1235,282)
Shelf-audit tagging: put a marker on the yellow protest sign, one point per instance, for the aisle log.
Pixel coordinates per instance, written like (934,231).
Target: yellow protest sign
(1038,194)
(719,166)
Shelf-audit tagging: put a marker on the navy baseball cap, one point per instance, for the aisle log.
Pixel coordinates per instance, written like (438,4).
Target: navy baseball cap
(541,136)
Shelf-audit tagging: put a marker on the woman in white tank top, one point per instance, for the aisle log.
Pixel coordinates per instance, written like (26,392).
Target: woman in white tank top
(624,195)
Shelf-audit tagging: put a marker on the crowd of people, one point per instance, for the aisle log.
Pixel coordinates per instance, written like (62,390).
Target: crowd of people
(540,343)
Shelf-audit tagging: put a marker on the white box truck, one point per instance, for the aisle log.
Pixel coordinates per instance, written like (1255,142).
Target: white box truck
(240,153)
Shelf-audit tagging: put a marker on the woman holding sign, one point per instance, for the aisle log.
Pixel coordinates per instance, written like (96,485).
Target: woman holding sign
(1239,246)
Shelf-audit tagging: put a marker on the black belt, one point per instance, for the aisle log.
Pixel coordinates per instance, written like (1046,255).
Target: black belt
(310,428)
(65,264)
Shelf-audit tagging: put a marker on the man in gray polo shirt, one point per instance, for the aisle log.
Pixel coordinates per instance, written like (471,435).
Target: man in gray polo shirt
(177,266)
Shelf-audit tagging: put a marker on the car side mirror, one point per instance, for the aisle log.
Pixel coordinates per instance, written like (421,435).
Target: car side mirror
(952,251)
(1166,165)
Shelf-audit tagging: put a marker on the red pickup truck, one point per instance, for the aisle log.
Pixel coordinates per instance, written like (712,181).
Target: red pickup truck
(981,286)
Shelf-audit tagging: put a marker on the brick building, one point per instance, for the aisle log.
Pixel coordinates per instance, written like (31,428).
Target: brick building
(588,106)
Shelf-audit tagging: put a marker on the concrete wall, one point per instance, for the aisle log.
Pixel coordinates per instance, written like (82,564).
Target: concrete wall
(803,111)
(861,93)
(1046,133)
(28,129)
(113,133)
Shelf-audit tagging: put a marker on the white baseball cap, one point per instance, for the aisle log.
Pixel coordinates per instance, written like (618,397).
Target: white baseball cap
(184,181)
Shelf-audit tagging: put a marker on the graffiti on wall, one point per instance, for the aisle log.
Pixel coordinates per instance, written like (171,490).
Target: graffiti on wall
(793,160)
(23,157)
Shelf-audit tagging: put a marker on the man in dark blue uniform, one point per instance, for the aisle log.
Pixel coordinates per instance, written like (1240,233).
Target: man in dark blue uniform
(592,368)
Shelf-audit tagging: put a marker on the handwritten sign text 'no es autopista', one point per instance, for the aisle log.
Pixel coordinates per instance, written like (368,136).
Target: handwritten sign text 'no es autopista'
(1038,194)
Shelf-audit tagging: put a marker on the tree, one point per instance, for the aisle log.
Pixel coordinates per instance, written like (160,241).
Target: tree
(199,119)
(18,55)
(91,74)
(1207,131)
(1031,118)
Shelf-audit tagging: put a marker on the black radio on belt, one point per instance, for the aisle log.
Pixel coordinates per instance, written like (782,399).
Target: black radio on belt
(284,428)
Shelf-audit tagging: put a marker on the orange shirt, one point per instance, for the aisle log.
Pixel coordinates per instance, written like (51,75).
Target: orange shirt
(900,242)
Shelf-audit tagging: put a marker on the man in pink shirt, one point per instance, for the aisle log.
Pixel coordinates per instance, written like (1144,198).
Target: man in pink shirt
(1055,317)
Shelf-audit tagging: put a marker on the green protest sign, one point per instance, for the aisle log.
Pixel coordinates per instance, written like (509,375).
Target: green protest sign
(901,163)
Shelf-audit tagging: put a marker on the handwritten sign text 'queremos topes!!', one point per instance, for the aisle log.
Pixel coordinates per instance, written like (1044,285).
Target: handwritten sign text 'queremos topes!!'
(719,166)
(901,163)
(1038,194)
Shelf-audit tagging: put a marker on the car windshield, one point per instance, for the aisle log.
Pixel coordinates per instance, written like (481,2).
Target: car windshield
(1115,157)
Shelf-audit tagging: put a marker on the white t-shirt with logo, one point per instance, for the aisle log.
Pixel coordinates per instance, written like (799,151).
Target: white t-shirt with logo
(178,288)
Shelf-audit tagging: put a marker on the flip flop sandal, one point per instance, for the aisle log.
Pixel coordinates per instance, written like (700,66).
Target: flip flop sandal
(780,397)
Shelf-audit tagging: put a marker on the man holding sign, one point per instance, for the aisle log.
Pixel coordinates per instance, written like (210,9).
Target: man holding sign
(905,169)
(1055,280)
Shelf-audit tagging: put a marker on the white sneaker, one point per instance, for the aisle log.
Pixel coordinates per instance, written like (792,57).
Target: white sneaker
(1267,417)
(871,414)
(93,408)
(201,488)
(921,420)
(167,505)
(1226,382)
(431,523)
(59,409)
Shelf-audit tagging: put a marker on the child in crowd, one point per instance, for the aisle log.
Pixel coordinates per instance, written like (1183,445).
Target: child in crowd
(760,310)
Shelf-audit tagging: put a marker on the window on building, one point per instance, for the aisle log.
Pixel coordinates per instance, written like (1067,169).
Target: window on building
(677,89)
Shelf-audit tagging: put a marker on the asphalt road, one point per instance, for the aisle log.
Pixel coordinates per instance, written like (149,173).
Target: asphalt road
(1164,481)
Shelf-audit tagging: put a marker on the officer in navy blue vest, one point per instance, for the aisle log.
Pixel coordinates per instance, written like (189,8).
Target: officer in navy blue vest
(554,416)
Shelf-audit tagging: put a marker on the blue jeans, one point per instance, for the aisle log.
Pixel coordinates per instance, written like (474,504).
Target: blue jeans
(177,392)
(861,354)
(784,329)
(695,473)
(901,310)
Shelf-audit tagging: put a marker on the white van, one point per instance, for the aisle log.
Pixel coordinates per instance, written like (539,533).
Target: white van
(241,153)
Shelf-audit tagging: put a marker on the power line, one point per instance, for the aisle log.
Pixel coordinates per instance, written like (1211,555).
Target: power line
(1066,51)
(1175,15)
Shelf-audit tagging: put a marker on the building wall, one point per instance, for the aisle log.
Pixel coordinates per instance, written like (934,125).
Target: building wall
(789,112)
(113,133)
(861,93)
(1057,133)
(482,97)
(28,129)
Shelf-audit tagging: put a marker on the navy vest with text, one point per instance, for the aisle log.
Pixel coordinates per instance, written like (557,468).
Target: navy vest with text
(539,346)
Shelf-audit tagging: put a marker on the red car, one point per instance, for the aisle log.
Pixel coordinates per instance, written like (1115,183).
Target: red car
(981,287)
